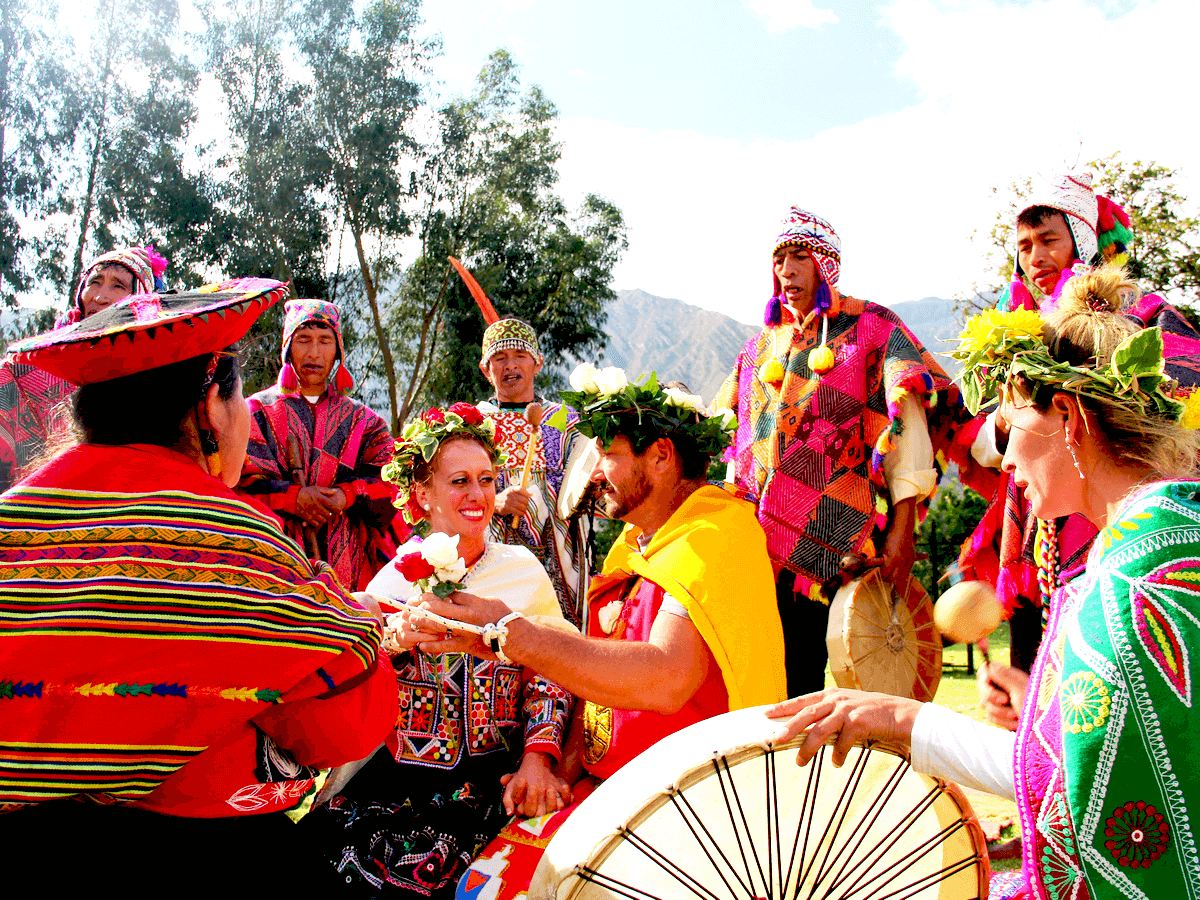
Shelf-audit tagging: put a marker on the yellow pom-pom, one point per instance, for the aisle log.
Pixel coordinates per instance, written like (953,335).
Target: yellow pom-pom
(820,360)
(771,371)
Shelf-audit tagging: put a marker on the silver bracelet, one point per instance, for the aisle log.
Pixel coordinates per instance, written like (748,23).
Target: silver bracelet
(496,633)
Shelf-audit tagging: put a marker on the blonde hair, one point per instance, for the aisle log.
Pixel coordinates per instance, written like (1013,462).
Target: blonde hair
(1084,330)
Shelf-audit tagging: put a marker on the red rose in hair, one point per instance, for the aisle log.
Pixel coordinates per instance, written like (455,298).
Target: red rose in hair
(468,413)
(414,567)
(433,414)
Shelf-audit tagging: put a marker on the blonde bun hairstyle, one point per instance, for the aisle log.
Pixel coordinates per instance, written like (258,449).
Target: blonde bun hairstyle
(1084,330)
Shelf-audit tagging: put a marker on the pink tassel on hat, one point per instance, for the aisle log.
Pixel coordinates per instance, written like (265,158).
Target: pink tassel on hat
(289,382)
(158,264)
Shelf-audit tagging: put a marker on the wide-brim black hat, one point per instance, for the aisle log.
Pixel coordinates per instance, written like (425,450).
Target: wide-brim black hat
(146,331)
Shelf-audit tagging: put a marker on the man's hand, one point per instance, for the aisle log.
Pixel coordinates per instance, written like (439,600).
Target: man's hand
(1002,693)
(850,717)
(512,501)
(461,607)
(899,549)
(316,506)
(535,790)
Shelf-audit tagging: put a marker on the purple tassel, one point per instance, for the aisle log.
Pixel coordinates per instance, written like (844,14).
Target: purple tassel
(824,298)
(773,314)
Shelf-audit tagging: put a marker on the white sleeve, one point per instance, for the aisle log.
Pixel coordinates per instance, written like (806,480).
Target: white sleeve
(908,466)
(673,607)
(984,448)
(949,745)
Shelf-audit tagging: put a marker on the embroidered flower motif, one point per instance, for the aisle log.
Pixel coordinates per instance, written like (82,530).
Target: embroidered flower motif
(1058,875)
(1085,702)
(609,614)
(1137,834)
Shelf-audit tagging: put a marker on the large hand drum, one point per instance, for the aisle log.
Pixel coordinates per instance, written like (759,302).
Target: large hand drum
(717,811)
(881,641)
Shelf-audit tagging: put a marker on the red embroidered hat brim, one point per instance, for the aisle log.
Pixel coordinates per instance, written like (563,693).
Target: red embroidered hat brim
(146,331)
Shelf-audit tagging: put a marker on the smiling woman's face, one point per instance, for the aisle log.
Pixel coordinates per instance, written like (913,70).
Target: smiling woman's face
(461,491)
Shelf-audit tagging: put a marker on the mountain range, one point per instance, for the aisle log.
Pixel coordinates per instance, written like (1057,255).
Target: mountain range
(684,343)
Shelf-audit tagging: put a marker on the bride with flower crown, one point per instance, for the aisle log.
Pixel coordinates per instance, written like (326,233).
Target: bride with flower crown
(476,740)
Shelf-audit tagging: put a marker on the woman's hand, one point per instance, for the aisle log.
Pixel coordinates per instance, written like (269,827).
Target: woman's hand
(404,630)
(849,716)
(1002,693)
(535,790)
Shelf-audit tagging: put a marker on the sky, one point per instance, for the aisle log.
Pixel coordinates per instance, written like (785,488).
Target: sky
(705,121)
(897,121)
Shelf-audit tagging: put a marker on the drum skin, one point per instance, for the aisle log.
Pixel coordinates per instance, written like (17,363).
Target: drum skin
(577,478)
(878,644)
(718,807)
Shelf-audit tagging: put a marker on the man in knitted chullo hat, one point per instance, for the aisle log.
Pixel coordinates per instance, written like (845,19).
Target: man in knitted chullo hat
(510,360)
(1063,228)
(836,401)
(343,446)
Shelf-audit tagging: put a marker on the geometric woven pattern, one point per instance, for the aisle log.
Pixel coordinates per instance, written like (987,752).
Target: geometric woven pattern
(812,448)
(137,629)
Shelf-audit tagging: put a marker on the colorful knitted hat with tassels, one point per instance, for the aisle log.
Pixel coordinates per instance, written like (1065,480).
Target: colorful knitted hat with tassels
(1100,228)
(297,314)
(145,264)
(801,228)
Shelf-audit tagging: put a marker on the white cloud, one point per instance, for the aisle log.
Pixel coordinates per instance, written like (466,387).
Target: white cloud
(906,190)
(782,15)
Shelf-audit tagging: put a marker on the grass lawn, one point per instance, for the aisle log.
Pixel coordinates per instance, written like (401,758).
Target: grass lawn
(958,692)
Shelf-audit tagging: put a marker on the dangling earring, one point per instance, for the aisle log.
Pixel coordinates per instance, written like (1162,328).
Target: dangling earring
(212,452)
(1075,459)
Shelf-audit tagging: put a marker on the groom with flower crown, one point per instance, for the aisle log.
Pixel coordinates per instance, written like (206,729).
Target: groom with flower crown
(682,622)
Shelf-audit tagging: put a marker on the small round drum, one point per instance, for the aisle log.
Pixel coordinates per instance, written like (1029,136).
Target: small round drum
(880,642)
(577,485)
(719,811)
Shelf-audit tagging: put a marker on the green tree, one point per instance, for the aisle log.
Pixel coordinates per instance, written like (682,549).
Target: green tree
(35,94)
(272,218)
(125,181)
(1165,254)
(367,69)
(952,516)
(487,198)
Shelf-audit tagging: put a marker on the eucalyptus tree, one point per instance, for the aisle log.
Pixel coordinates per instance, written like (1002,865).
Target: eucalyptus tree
(35,124)
(125,179)
(272,218)
(487,197)
(368,86)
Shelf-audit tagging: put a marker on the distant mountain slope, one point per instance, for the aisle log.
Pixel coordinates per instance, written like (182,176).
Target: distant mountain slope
(684,343)
(935,323)
(678,341)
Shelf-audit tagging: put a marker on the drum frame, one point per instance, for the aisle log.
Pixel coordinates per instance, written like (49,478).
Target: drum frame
(758,875)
